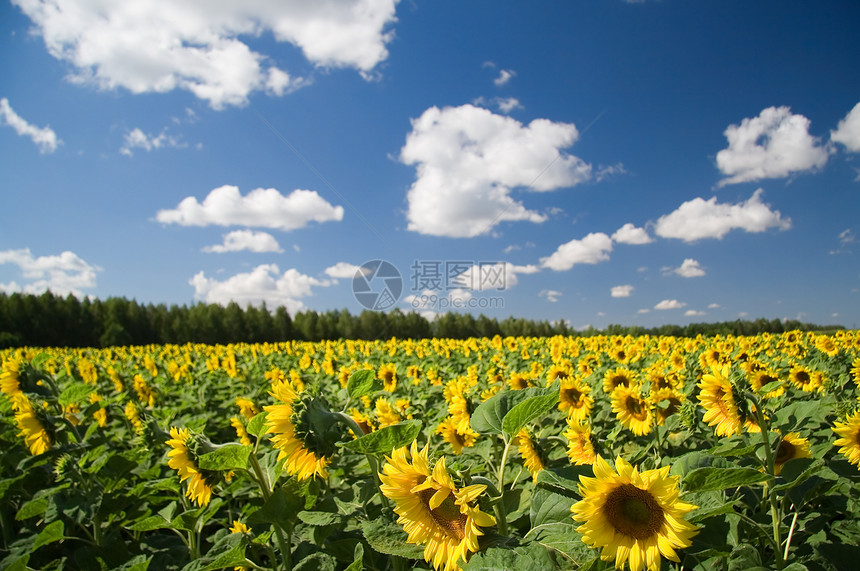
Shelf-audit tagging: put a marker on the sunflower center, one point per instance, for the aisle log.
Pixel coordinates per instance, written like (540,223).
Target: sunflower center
(784,452)
(635,408)
(633,512)
(619,381)
(447,515)
(571,396)
(802,377)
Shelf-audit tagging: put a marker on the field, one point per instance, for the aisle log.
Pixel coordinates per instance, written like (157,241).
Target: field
(504,453)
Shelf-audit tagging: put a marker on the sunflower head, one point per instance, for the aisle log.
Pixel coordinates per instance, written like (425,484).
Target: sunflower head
(185,448)
(633,517)
(849,441)
(791,446)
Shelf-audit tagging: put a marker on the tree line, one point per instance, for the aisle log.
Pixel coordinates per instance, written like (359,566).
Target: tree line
(50,320)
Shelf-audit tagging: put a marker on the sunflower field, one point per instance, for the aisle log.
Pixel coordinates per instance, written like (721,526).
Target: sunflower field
(590,453)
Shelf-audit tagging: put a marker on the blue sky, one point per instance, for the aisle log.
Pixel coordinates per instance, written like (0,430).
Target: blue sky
(602,162)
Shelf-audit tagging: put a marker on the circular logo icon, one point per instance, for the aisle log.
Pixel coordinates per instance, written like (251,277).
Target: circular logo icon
(377,285)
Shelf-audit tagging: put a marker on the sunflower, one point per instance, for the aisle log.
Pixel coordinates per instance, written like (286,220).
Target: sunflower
(633,410)
(574,397)
(239,527)
(761,377)
(533,457)
(386,415)
(9,384)
(518,381)
(617,378)
(304,453)
(183,460)
(450,431)
(791,446)
(32,424)
(431,509)
(718,399)
(247,408)
(827,345)
(634,518)
(580,449)
(388,374)
(241,432)
(850,442)
(805,379)
(673,398)
(559,372)
(364,422)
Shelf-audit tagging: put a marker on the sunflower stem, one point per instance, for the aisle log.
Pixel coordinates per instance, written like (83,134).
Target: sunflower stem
(266,489)
(501,515)
(790,534)
(771,496)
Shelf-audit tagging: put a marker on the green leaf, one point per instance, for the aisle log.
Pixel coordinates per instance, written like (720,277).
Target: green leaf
(710,479)
(390,539)
(744,557)
(75,393)
(490,414)
(770,387)
(527,411)
(225,458)
(317,561)
(524,557)
(40,359)
(697,459)
(150,523)
(229,551)
(386,439)
(257,425)
(319,518)
(32,508)
(52,532)
(363,382)
(281,508)
(358,558)
(139,563)
(796,471)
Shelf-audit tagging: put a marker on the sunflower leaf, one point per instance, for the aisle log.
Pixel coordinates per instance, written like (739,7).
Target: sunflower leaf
(229,457)
(527,411)
(490,414)
(709,479)
(386,439)
(363,382)
(390,539)
(257,425)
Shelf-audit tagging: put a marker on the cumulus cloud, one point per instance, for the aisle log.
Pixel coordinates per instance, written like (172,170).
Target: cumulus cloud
(161,45)
(772,145)
(469,159)
(508,104)
(551,295)
(848,130)
(630,234)
(592,249)
(44,137)
(249,240)
(700,218)
(491,276)
(263,207)
(714,306)
(670,304)
(61,274)
(137,139)
(621,291)
(342,270)
(693,313)
(689,268)
(459,297)
(264,284)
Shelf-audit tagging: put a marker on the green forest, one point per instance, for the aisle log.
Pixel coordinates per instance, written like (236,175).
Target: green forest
(49,320)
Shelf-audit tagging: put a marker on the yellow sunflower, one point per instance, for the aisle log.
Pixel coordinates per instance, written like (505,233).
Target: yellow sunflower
(580,449)
(386,415)
(247,408)
(304,454)
(11,371)
(673,400)
(574,397)
(791,446)
(633,410)
(716,396)
(633,517)
(849,442)
(805,379)
(388,374)
(761,377)
(241,432)
(449,429)
(531,454)
(431,509)
(32,425)
(559,372)
(619,377)
(183,460)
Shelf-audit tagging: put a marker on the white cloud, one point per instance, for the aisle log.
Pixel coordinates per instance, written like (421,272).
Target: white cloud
(592,249)
(772,145)
(505,76)
(250,240)
(551,295)
(264,283)
(846,237)
(508,104)
(161,45)
(700,218)
(714,306)
(621,291)
(848,130)
(459,297)
(468,159)
(44,137)
(137,139)
(693,313)
(62,274)
(342,270)
(643,311)
(630,234)
(690,268)
(491,276)
(263,207)
(670,304)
